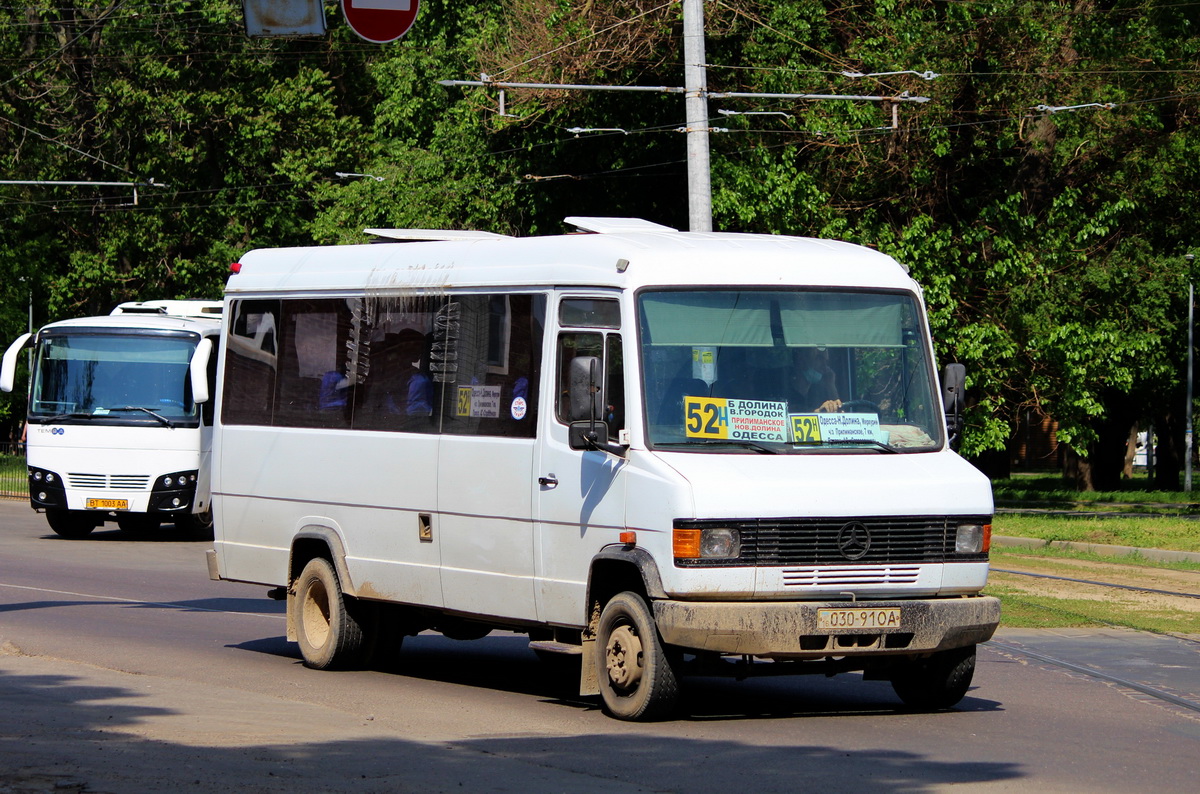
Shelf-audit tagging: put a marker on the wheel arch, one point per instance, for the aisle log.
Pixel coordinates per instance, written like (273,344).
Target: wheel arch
(310,542)
(613,570)
(317,540)
(617,568)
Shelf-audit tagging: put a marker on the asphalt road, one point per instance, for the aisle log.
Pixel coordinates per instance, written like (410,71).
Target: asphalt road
(124,669)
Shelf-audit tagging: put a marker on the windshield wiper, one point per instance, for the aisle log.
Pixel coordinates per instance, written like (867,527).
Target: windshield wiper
(155,414)
(69,415)
(868,442)
(724,442)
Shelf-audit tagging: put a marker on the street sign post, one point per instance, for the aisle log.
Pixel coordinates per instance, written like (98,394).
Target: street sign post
(380,21)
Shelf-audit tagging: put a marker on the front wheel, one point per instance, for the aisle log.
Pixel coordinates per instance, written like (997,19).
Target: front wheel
(938,682)
(329,635)
(71,524)
(637,678)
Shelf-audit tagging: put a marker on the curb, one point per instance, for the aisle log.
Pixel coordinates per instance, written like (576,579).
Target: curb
(1103,549)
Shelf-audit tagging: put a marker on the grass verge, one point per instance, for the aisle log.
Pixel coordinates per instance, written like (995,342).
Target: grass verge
(1024,608)
(1175,534)
(1033,602)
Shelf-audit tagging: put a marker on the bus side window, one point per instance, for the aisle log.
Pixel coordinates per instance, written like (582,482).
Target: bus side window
(251,364)
(315,386)
(496,344)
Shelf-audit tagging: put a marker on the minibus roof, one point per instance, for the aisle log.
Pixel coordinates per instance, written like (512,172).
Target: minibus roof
(624,253)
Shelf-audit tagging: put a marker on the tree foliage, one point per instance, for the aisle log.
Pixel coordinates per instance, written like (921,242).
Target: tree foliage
(1041,195)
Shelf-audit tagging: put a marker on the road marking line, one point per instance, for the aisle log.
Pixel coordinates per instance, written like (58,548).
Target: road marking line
(117,599)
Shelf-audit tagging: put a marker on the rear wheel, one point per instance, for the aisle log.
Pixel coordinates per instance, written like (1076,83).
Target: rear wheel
(937,682)
(634,667)
(72,524)
(384,629)
(329,635)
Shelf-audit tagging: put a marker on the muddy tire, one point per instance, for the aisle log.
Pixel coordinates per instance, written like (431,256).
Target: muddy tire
(326,629)
(71,524)
(634,667)
(938,682)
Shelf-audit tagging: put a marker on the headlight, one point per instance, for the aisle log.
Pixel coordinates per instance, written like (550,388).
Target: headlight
(973,539)
(712,543)
(176,479)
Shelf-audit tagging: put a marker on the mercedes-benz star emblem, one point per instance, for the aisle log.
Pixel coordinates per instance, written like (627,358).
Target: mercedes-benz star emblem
(854,541)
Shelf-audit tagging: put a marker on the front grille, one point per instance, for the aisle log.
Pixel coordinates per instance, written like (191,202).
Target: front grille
(126,482)
(820,541)
(851,575)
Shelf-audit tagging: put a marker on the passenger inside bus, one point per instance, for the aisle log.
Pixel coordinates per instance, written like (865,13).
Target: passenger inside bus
(401,393)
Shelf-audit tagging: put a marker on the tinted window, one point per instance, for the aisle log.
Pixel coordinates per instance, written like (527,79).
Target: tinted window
(460,364)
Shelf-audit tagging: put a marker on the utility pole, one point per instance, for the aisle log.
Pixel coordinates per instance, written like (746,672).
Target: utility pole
(1187,437)
(696,96)
(695,85)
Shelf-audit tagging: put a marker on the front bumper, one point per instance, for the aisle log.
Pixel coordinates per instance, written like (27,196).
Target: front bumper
(788,629)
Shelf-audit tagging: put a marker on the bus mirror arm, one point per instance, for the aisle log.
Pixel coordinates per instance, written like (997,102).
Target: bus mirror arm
(198,371)
(954,378)
(8,370)
(585,434)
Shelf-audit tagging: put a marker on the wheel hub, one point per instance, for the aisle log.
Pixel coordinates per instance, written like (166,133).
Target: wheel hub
(623,656)
(315,616)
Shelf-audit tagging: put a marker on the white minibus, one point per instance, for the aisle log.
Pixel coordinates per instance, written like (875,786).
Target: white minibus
(662,452)
(118,426)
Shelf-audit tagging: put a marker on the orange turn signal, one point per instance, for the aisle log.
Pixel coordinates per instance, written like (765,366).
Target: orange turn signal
(628,537)
(685,543)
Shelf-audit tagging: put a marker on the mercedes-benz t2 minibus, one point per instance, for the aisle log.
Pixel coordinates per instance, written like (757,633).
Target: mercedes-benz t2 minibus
(663,452)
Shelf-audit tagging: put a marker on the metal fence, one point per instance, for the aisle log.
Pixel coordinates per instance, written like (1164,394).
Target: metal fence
(14,478)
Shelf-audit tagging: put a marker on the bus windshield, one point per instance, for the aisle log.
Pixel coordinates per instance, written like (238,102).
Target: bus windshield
(132,377)
(787,371)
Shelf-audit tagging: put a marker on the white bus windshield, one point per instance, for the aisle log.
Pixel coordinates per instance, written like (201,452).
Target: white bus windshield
(786,371)
(113,378)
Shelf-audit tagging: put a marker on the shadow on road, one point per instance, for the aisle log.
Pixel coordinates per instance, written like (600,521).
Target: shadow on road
(503,662)
(87,737)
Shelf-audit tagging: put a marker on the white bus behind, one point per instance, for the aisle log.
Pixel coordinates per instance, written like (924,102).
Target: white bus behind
(119,426)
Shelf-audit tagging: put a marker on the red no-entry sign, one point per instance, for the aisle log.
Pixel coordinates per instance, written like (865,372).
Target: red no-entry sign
(380,21)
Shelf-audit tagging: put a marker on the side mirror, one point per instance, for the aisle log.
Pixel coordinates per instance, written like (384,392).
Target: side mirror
(583,390)
(954,378)
(587,401)
(8,369)
(198,371)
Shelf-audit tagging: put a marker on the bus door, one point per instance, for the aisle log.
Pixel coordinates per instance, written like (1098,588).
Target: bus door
(485,360)
(579,494)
